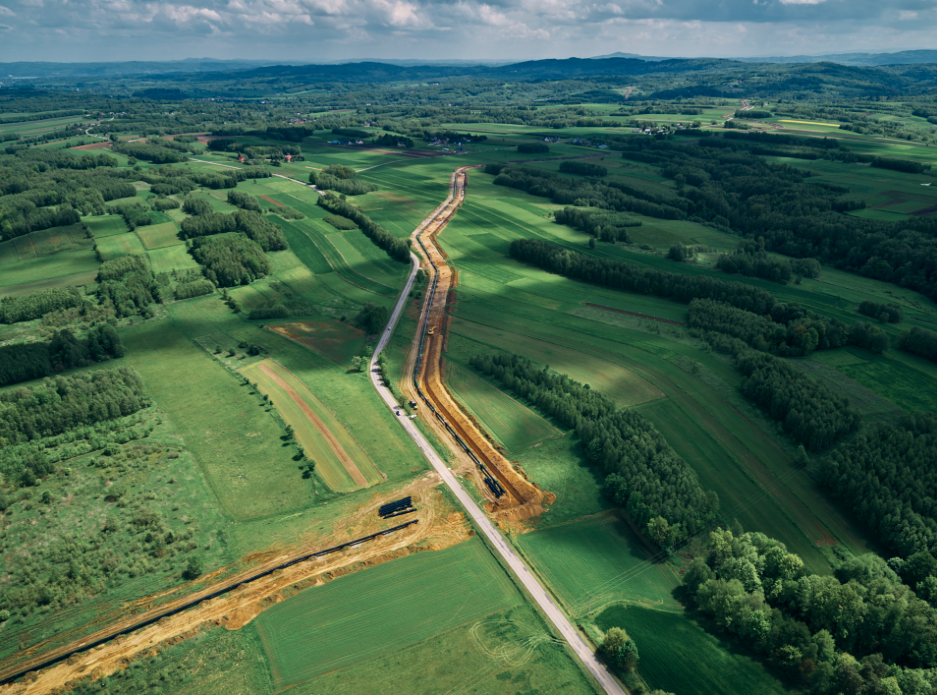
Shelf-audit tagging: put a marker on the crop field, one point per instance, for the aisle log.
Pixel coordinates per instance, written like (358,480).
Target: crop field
(598,560)
(159,236)
(513,424)
(105,225)
(340,460)
(120,245)
(48,257)
(679,655)
(382,609)
(170,258)
(333,339)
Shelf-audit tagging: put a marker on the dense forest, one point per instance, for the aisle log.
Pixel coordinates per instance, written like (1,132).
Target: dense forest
(887,476)
(26,361)
(230,260)
(919,341)
(860,631)
(128,286)
(643,474)
(268,235)
(35,304)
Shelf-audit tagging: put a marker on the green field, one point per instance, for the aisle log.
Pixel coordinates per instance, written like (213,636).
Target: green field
(120,245)
(158,236)
(49,258)
(340,460)
(598,560)
(513,424)
(679,655)
(106,225)
(170,258)
(383,609)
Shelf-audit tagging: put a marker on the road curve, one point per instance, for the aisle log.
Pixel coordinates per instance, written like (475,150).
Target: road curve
(523,574)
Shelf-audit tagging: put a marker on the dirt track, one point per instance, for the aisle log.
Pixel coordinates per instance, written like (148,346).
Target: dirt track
(523,499)
(440,526)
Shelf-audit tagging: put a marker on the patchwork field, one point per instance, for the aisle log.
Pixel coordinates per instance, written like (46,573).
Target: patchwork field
(106,225)
(382,609)
(44,259)
(119,245)
(158,236)
(170,258)
(336,340)
(340,460)
(513,424)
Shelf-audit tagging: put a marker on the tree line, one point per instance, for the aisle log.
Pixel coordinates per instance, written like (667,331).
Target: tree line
(919,341)
(35,304)
(632,278)
(398,249)
(885,313)
(340,179)
(861,631)
(643,474)
(26,361)
(607,226)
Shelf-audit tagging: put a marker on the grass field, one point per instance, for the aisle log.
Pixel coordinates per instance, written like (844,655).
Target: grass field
(158,236)
(598,560)
(119,245)
(43,258)
(336,340)
(170,258)
(678,655)
(513,424)
(382,609)
(340,460)
(106,225)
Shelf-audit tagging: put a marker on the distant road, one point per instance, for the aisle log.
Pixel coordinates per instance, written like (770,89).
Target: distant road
(531,584)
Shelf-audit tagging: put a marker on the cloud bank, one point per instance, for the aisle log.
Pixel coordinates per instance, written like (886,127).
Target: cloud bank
(326,30)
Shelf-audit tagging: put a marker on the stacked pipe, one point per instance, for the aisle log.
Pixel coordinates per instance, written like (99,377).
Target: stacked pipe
(392,509)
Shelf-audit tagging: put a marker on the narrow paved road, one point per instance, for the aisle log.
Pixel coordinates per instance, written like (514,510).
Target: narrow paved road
(539,594)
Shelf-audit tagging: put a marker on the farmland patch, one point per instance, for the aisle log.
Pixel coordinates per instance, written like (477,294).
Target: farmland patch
(159,236)
(340,460)
(333,339)
(120,245)
(106,225)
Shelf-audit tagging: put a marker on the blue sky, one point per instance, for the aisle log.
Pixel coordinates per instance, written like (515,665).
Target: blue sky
(325,30)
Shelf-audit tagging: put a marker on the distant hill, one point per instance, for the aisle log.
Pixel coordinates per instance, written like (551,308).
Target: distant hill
(865,59)
(652,59)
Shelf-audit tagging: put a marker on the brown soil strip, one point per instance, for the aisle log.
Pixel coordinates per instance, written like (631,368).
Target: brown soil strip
(889,204)
(93,146)
(323,430)
(930,210)
(440,527)
(632,313)
(271,200)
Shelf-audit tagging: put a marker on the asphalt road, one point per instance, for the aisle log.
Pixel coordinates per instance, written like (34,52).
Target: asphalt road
(533,586)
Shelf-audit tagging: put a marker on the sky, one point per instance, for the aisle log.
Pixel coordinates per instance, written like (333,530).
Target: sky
(328,30)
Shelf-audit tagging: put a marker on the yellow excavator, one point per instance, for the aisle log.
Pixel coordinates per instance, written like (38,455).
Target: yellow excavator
(432,330)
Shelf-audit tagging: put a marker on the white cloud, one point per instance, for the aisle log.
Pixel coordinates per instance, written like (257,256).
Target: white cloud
(905,15)
(802,2)
(6,12)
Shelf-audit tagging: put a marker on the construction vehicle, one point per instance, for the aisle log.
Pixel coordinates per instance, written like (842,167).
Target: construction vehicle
(432,330)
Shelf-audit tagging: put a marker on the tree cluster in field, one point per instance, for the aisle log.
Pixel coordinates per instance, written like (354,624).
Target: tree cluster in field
(194,288)
(268,235)
(919,341)
(163,204)
(58,404)
(245,201)
(230,260)
(861,631)
(633,278)
(809,411)
(340,223)
(904,165)
(127,284)
(533,148)
(340,179)
(643,474)
(36,304)
(197,207)
(170,180)
(149,152)
(398,249)
(619,649)
(884,313)
(583,168)
(607,226)
(887,476)
(752,260)
(789,330)
(752,113)
(372,318)
(607,195)
(741,192)
(286,212)
(25,361)
(134,214)
(393,141)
